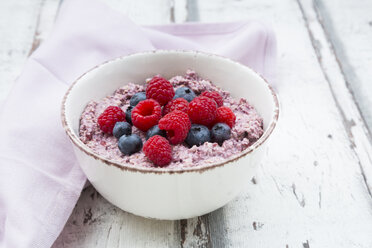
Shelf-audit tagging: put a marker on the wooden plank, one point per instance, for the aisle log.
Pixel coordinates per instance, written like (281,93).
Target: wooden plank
(144,12)
(18,20)
(330,64)
(348,26)
(45,21)
(96,223)
(309,191)
(23,24)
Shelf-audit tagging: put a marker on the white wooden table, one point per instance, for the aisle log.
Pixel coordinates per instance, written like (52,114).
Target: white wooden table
(314,187)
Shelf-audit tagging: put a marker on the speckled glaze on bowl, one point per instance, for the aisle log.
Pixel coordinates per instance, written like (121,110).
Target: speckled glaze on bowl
(163,193)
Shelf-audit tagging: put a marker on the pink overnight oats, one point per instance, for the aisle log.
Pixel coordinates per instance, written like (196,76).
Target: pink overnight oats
(247,129)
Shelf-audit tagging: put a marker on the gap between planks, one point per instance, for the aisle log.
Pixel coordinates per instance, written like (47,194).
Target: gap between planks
(194,232)
(184,11)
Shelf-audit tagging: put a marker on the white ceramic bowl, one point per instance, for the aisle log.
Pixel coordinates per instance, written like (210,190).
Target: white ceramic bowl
(163,193)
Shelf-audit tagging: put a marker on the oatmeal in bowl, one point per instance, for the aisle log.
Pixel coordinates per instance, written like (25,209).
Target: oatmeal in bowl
(234,125)
(161,141)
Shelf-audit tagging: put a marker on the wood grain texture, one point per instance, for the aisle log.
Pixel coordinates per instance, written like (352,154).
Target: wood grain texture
(348,25)
(353,122)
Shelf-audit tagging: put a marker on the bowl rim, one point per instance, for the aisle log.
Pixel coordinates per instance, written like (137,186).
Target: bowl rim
(156,170)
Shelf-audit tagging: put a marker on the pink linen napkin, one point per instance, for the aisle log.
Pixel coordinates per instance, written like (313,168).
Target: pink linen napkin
(40,180)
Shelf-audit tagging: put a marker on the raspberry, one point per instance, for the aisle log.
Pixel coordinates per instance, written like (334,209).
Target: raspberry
(158,150)
(146,114)
(202,110)
(176,104)
(160,90)
(215,96)
(109,117)
(177,125)
(225,115)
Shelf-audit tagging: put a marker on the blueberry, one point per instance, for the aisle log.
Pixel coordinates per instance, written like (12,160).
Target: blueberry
(197,135)
(184,92)
(128,114)
(129,144)
(155,130)
(220,132)
(136,98)
(121,128)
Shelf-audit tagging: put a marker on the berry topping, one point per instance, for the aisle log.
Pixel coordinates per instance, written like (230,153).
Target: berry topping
(136,98)
(220,132)
(146,114)
(128,114)
(177,125)
(160,90)
(215,96)
(158,150)
(122,128)
(129,144)
(225,115)
(109,117)
(176,104)
(202,110)
(186,93)
(197,135)
(155,130)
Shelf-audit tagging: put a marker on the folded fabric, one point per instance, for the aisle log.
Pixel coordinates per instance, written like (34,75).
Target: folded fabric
(40,180)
